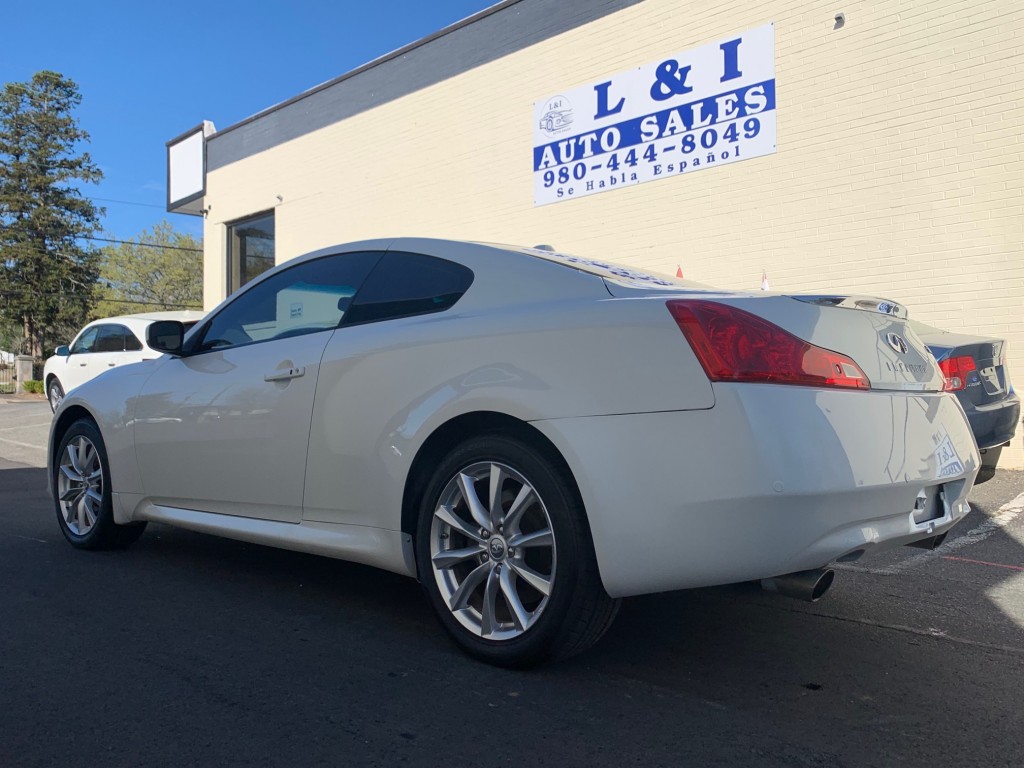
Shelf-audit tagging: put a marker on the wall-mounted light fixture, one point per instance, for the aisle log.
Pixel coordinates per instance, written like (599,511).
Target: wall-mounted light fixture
(840,20)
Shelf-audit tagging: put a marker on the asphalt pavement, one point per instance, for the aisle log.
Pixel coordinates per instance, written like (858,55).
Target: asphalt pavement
(189,650)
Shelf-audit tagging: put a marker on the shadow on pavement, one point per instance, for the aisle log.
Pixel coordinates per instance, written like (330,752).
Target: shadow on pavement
(191,649)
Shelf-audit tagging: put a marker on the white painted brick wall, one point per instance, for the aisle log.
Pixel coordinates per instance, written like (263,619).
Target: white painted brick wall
(899,171)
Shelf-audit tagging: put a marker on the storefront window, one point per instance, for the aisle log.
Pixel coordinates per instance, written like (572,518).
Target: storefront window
(250,249)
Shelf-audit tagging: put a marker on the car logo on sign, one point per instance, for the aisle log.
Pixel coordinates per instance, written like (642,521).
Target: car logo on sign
(557,117)
(896,342)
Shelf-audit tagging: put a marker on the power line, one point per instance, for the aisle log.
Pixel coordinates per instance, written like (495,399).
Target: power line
(166,305)
(146,245)
(24,248)
(71,257)
(126,242)
(104,200)
(128,202)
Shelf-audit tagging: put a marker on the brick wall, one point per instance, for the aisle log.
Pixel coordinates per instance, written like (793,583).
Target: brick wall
(899,168)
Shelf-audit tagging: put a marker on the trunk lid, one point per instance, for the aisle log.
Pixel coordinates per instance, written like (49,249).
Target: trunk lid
(988,382)
(874,332)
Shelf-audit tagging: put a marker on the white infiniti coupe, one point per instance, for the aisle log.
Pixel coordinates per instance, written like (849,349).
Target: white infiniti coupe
(532,435)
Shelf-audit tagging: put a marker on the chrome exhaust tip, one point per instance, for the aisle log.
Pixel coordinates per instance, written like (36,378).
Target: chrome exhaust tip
(809,586)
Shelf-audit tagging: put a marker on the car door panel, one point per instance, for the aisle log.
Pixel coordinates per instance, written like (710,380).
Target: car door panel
(370,364)
(227,431)
(75,370)
(225,427)
(108,352)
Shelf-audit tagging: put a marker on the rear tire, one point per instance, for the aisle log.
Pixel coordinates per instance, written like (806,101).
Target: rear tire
(82,496)
(55,394)
(505,555)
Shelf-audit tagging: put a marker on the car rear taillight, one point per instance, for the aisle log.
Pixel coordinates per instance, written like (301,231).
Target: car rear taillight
(955,370)
(734,345)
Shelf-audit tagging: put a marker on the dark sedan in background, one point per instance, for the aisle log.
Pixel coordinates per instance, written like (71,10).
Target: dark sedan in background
(974,368)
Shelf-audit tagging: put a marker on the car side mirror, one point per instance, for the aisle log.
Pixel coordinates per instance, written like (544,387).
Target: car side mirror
(165,336)
(62,351)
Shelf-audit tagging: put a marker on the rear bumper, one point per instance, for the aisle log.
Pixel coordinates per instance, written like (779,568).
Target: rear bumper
(994,424)
(770,480)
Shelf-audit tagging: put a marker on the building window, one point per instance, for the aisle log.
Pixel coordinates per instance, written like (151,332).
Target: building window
(250,249)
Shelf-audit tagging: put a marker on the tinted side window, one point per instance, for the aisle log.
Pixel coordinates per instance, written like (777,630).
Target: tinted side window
(131,341)
(405,284)
(306,298)
(110,339)
(86,341)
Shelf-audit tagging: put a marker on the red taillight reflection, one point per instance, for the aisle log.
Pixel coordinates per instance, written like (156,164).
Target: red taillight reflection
(734,345)
(955,370)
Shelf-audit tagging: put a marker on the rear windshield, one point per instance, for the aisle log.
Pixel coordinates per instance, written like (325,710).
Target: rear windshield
(608,270)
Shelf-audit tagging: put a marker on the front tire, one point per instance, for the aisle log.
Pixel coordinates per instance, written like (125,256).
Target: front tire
(55,394)
(82,496)
(505,555)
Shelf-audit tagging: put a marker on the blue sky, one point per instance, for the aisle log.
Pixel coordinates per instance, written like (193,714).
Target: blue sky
(149,71)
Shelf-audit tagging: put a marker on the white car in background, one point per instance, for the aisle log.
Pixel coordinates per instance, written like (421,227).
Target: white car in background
(102,345)
(532,435)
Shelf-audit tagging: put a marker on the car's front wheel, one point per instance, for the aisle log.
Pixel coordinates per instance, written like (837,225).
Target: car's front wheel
(505,554)
(55,394)
(81,482)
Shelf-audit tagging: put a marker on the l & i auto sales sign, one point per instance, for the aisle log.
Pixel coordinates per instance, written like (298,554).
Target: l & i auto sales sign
(699,109)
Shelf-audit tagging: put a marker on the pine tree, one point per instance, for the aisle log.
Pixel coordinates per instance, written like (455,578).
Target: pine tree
(47,278)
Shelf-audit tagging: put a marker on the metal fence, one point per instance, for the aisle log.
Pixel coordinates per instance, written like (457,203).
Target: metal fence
(7,384)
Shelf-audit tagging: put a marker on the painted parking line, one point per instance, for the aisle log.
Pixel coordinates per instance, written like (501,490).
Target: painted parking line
(933,632)
(984,562)
(23,445)
(1005,515)
(25,538)
(26,426)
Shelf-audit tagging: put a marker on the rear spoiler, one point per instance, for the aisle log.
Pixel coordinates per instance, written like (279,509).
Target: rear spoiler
(865,303)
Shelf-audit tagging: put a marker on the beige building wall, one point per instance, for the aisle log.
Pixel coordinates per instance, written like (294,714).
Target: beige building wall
(899,170)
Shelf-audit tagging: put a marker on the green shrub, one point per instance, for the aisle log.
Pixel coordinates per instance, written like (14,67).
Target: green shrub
(7,389)
(33,387)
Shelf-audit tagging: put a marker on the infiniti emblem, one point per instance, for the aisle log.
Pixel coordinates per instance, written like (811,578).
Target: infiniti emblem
(896,342)
(497,547)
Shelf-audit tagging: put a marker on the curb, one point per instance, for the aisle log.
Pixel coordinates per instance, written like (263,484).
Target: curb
(22,398)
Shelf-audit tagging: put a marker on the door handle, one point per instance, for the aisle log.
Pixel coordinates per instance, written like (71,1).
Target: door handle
(286,374)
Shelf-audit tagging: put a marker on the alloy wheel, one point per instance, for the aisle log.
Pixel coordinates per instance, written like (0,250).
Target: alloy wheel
(80,485)
(492,551)
(56,397)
